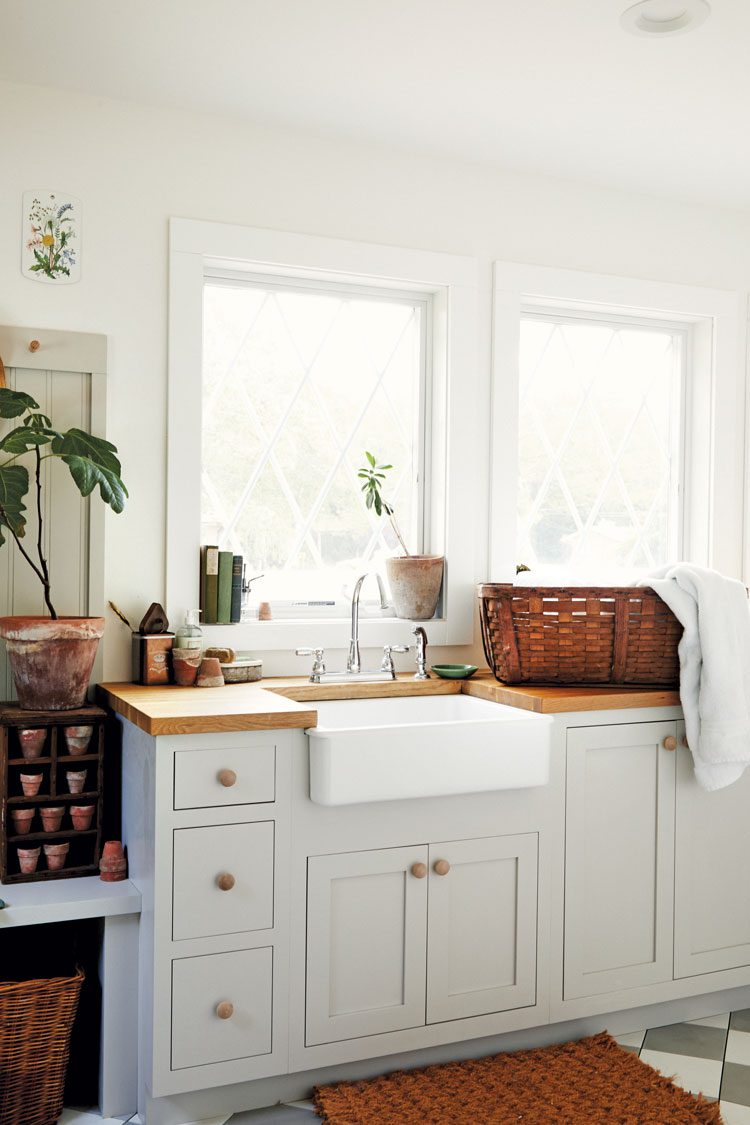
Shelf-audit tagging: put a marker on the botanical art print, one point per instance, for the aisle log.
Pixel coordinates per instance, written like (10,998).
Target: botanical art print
(51,237)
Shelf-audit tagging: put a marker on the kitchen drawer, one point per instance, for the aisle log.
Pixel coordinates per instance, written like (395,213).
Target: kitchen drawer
(237,985)
(223,880)
(206,779)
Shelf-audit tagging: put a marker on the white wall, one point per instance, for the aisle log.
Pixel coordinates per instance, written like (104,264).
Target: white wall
(134,166)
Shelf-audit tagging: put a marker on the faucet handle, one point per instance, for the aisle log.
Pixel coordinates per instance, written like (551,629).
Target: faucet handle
(318,668)
(387,665)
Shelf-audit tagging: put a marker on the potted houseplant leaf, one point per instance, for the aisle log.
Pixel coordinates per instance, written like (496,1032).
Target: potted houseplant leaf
(415,580)
(51,657)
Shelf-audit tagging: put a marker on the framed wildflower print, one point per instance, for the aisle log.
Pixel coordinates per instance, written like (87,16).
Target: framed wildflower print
(51,250)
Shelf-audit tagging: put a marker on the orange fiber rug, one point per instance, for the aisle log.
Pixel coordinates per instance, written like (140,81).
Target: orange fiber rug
(587,1082)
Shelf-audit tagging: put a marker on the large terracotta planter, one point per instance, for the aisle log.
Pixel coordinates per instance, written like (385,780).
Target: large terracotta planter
(51,660)
(415,582)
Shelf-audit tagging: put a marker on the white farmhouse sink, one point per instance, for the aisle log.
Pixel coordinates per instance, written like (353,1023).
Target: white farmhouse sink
(426,746)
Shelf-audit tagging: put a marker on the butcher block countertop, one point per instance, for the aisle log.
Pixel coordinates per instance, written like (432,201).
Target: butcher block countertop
(279,704)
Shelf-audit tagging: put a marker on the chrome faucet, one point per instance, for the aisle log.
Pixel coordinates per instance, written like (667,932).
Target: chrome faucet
(353,663)
(421,672)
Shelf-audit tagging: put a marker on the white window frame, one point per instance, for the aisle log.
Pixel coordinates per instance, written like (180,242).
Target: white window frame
(714,402)
(450,520)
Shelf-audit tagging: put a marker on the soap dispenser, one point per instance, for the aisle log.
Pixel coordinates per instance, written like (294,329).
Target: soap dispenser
(190,634)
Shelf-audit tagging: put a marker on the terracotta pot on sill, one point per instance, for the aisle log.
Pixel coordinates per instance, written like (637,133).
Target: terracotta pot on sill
(415,582)
(51,660)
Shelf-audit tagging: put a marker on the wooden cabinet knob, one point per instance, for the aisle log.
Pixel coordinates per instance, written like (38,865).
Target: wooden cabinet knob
(670,742)
(419,870)
(441,867)
(225,881)
(225,1010)
(227,778)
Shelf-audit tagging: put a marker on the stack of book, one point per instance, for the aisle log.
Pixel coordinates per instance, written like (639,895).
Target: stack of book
(221,587)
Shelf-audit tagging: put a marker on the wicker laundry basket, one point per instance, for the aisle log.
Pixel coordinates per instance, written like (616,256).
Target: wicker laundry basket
(579,635)
(36,1019)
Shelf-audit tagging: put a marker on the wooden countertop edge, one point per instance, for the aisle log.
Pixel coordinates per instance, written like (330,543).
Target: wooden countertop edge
(278,704)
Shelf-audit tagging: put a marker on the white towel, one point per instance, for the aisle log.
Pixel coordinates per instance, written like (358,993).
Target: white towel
(714,667)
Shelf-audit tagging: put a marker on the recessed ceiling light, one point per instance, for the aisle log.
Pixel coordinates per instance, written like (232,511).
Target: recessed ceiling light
(664,17)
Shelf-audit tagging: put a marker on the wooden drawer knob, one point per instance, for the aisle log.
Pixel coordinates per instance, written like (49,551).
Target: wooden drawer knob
(670,742)
(441,867)
(225,881)
(227,778)
(419,870)
(225,1010)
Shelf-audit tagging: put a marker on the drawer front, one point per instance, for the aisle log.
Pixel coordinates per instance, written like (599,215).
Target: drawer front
(223,880)
(237,986)
(207,779)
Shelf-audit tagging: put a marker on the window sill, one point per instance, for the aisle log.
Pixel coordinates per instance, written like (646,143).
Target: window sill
(260,636)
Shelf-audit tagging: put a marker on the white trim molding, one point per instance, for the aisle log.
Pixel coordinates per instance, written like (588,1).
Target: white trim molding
(452,283)
(713,501)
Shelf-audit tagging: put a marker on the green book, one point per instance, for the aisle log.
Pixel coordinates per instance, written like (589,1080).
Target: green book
(224,606)
(210,584)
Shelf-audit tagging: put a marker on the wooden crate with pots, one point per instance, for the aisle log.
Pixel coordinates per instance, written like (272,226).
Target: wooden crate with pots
(51,781)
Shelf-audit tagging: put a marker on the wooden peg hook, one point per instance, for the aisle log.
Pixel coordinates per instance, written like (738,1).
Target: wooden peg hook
(34,346)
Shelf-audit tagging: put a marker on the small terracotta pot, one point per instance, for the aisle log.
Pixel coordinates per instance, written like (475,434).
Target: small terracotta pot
(51,819)
(77,739)
(210,674)
(56,854)
(28,859)
(185,665)
(81,815)
(32,741)
(31,783)
(76,780)
(22,819)
(51,660)
(113,866)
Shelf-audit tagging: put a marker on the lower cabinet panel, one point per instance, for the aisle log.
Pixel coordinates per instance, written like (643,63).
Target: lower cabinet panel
(482,927)
(235,985)
(366,935)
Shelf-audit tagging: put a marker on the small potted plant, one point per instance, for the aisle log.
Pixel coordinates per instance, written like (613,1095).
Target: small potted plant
(51,657)
(415,580)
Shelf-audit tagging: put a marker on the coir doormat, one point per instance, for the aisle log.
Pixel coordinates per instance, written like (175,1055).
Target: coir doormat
(588,1082)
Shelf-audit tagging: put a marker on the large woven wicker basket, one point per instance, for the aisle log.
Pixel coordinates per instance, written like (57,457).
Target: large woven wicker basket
(577,635)
(36,1019)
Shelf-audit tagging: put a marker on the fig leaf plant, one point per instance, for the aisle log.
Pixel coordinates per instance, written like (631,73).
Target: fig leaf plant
(373,476)
(92,462)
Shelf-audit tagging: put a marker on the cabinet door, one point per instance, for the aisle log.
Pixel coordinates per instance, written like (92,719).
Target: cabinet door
(481,947)
(619,857)
(366,943)
(712,888)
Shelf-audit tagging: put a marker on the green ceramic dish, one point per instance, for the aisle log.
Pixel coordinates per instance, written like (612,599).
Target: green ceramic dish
(454,671)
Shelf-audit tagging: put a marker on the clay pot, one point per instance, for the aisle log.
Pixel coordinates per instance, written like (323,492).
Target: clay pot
(56,854)
(185,665)
(51,660)
(51,818)
(32,741)
(77,739)
(28,859)
(415,582)
(81,815)
(22,819)
(113,865)
(31,783)
(76,780)
(209,674)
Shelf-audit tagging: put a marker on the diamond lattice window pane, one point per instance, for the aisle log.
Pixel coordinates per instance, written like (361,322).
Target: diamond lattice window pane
(599,444)
(297,383)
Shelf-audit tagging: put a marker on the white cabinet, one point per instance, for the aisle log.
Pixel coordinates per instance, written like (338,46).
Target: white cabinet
(619,857)
(712,886)
(220,777)
(367,922)
(458,917)
(482,927)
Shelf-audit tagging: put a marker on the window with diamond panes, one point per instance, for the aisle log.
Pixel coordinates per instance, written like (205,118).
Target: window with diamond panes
(599,445)
(297,383)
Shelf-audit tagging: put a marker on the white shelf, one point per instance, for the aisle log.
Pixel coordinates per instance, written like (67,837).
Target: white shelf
(64,900)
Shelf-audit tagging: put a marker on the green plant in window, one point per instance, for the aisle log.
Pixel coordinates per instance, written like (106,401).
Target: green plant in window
(373,476)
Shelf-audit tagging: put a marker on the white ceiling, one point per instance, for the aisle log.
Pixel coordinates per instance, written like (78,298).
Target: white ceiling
(550,86)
